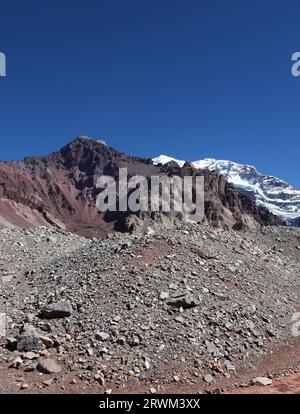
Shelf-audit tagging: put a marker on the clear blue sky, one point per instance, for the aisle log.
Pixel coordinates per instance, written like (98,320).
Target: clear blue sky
(188,78)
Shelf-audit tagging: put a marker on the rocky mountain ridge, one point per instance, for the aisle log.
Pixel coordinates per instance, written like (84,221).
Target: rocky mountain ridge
(275,194)
(60,190)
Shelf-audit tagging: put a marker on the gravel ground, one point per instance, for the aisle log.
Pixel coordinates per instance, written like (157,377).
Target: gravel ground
(174,308)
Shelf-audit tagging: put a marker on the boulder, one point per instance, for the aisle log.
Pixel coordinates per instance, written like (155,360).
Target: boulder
(262,381)
(28,342)
(56,310)
(48,366)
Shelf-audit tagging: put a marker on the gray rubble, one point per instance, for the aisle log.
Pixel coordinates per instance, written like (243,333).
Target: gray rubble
(188,303)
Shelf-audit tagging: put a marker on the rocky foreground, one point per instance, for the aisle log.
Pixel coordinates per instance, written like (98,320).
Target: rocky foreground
(188,308)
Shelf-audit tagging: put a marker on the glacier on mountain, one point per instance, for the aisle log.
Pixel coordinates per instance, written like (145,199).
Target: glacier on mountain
(275,194)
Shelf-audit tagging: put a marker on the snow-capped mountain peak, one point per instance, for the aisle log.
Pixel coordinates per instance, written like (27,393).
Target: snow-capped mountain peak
(275,194)
(164,159)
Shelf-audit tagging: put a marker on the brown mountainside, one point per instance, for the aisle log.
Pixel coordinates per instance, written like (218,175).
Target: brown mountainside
(59,189)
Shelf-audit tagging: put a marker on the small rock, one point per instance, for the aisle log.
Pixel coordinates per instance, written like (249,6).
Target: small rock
(179,319)
(220,296)
(47,341)
(31,367)
(48,366)
(121,340)
(229,366)
(28,329)
(44,353)
(90,352)
(17,362)
(164,295)
(30,355)
(271,332)
(48,382)
(11,343)
(28,342)
(130,306)
(264,381)
(99,378)
(30,318)
(56,310)
(206,253)
(208,378)
(102,336)
(7,279)
(183,300)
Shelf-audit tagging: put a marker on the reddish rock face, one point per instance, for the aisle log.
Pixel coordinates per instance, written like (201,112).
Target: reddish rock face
(60,190)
